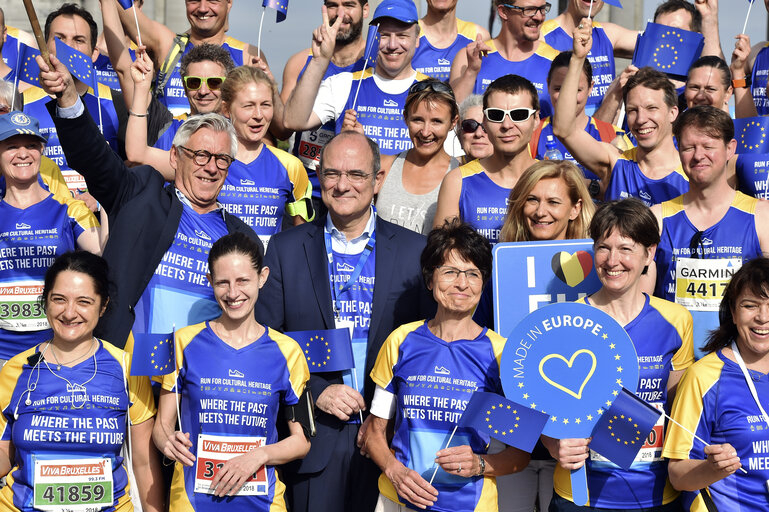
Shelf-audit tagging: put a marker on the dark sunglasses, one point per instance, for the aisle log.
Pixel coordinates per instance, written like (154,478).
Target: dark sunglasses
(435,85)
(517,115)
(470,125)
(193,83)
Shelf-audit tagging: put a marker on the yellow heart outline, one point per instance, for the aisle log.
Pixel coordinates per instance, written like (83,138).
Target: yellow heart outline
(569,363)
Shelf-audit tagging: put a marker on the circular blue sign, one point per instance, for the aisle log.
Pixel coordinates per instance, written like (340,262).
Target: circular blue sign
(570,361)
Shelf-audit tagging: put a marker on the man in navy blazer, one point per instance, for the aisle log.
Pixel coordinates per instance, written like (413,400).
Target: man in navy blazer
(298,296)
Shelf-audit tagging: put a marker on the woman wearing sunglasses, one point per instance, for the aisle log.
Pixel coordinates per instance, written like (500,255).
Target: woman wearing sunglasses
(470,132)
(409,194)
(478,191)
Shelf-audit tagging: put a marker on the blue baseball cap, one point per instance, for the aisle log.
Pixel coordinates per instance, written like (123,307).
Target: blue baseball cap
(401,10)
(18,123)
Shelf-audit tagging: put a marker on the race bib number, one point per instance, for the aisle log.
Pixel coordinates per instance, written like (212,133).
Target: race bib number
(700,284)
(214,451)
(73,485)
(311,145)
(19,308)
(651,451)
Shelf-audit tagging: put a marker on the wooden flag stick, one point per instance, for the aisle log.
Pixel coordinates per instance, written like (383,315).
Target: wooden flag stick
(32,15)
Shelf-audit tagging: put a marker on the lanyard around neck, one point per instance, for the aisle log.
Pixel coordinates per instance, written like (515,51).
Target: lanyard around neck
(749,380)
(355,273)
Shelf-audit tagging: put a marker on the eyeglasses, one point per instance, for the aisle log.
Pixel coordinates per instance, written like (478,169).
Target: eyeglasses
(201,157)
(516,115)
(695,244)
(470,125)
(530,12)
(450,274)
(435,85)
(193,83)
(355,176)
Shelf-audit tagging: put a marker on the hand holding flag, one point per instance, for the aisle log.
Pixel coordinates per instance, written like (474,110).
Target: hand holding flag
(78,63)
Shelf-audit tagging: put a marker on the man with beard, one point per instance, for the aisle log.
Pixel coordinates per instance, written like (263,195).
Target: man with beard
(516,50)
(442,36)
(348,55)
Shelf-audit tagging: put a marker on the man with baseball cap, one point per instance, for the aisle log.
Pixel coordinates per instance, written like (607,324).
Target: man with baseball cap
(372,100)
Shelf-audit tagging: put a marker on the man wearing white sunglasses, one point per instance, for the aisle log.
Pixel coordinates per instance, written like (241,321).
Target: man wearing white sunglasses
(478,192)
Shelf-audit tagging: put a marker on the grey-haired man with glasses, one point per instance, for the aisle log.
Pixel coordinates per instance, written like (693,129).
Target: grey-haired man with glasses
(159,233)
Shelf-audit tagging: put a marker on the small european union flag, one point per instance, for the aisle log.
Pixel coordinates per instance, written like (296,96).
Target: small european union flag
(79,64)
(752,134)
(153,354)
(29,70)
(279,5)
(125,4)
(615,3)
(372,46)
(496,416)
(325,350)
(667,49)
(623,429)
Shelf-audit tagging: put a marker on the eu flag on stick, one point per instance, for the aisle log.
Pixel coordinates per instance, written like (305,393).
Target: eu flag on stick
(509,422)
(79,64)
(623,429)
(325,350)
(615,3)
(279,5)
(29,71)
(153,354)
(372,45)
(752,134)
(667,49)
(125,4)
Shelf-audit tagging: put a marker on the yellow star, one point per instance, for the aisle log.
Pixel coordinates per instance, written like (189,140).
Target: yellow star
(619,369)
(520,384)
(566,421)
(525,396)
(589,417)
(612,345)
(605,336)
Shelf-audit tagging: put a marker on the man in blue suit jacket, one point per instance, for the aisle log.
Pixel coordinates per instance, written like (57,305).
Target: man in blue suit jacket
(298,296)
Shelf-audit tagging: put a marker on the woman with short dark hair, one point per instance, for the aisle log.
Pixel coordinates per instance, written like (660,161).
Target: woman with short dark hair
(448,349)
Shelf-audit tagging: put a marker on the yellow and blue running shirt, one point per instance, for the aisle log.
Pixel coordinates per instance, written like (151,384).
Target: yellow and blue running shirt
(34,106)
(628,180)
(436,62)
(751,171)
(534,69)
(433,380)
(482,203)
(697,281)
(759,80)
(601,57)
(230,405)
(260,191)
(308,144)
(714,402)
(662,336)
(30,239)
(178,292)
(173,96)
(11,51)
(80,427)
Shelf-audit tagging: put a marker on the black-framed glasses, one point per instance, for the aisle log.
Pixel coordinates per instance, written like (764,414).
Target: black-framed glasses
(354,176)
(435,85)
(532,11)
(470,125)
(694,245)
(449,274)
(193,83)
(516,115)
(201,157)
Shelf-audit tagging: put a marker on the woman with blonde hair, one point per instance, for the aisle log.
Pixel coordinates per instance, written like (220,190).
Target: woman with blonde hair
(549,202)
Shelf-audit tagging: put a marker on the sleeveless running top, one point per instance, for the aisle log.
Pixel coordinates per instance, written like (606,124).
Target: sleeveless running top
(436,62)
(627,180)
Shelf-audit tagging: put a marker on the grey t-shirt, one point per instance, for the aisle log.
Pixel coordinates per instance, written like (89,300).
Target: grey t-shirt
(412,211)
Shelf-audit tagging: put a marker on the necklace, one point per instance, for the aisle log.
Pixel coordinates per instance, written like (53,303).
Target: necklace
(78,358)
(75,389)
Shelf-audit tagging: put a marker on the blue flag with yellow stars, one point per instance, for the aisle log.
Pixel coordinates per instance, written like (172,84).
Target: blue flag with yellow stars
(372,46)
(153,354)
(623,429)
(752,134)
(279,5)
(29,71)
(496,416)
(79,64)
(325,350)
(667,49)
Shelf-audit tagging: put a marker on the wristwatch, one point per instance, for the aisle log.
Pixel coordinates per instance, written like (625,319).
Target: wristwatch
(741,83)
(481,465)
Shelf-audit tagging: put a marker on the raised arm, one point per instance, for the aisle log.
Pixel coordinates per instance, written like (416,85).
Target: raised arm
(136,147)
(117,49)
(465,68)
(709,11)
(298,114)
(155,36)
(622,39)
(597,156)
(743,98)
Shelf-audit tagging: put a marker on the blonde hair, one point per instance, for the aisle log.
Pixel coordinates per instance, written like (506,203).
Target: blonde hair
(514,228)
(239,78)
